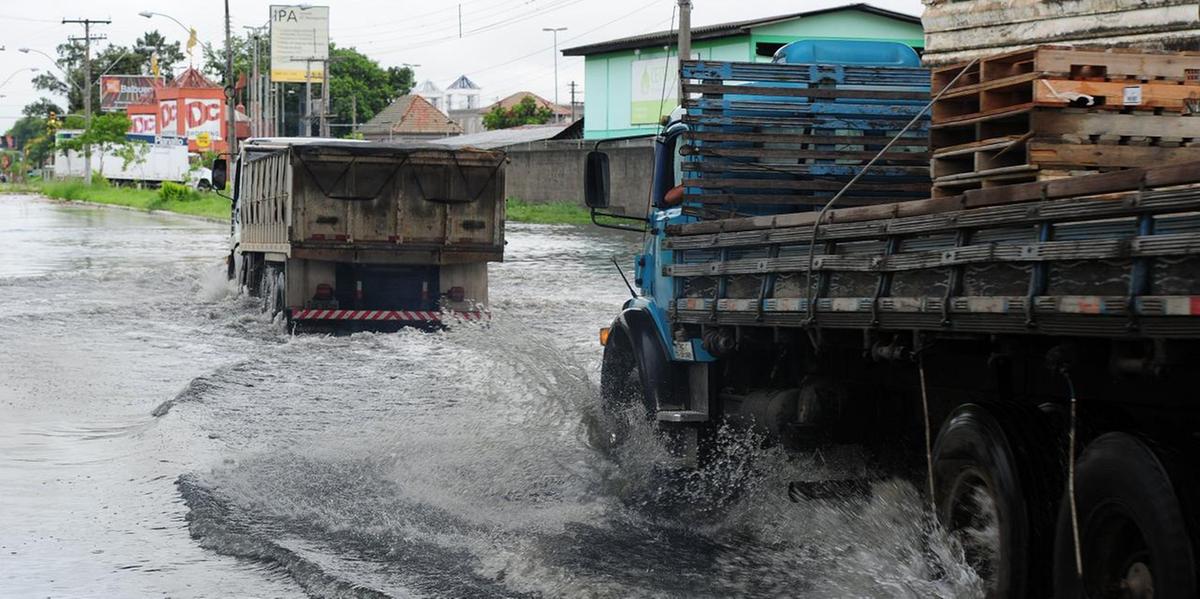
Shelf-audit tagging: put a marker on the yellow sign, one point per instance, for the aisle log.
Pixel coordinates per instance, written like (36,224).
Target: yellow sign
(299,42)
(203,139)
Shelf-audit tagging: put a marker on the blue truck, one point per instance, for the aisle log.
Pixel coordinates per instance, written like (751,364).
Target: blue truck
(1025,352)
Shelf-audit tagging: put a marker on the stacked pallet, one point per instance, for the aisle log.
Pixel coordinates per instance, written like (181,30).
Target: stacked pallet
(789,136)
(1054,111)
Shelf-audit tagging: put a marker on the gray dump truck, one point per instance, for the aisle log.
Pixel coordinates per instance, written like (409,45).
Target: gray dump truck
(355,233)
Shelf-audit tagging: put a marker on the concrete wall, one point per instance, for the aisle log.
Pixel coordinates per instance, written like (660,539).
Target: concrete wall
(552,171)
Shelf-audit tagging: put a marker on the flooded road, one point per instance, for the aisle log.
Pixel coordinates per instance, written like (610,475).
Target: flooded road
(159,436)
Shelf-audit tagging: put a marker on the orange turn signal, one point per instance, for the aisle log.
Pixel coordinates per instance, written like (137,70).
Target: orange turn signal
(604,336)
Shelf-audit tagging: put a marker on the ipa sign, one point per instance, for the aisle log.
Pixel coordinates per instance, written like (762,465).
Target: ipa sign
(299,40)
(655,90)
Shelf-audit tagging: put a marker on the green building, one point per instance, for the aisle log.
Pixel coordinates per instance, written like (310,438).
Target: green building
(629,83)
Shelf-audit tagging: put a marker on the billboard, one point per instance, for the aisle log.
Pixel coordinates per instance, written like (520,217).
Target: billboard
(117,92)
(202,115)
(655,90)
(299,33)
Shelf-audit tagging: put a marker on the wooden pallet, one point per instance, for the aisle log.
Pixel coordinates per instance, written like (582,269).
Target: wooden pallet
(1018,116)
(776,134)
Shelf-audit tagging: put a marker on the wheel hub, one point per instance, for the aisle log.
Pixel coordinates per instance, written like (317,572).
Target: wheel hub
(1138,582)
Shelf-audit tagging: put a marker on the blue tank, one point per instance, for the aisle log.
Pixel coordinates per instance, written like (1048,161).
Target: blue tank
(848,52)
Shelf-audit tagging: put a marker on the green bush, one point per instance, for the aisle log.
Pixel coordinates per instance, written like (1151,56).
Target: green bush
(175,192)
(67,190)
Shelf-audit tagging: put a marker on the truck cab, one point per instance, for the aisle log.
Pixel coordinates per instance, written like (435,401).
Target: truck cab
(737,156)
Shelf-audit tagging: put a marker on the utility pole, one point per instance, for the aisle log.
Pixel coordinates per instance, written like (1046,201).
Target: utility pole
(572,86)
(460,20)
(555,31)
(685,38)
(231,134)
(87,82)
(307,119)
(257,92)
(353,113)
(325,98)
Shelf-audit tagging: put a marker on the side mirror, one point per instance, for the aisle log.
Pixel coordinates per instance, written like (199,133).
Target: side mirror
(595,180)
(220,173)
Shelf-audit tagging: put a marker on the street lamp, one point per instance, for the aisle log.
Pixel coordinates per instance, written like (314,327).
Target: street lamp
(555,31)
(148,14)
(191,39)
(14,74)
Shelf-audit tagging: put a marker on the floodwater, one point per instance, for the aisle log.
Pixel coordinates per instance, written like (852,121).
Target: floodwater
(159,436)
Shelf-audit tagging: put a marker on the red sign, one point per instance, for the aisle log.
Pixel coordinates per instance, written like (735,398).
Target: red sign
(168,117)
(144,124)
(202,115)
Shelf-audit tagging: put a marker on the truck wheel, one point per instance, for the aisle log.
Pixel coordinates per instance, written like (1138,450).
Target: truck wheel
(272,287)
(989,469)
(621,389)
(1132,529)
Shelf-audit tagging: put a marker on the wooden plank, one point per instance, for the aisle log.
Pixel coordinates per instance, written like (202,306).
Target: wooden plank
(1065,155)
(1015,80)
(803,138)
(805,92)
(1138,65)
(995,143)
(977,176)
(824,184)
(1102,183)
(783,199)
(1058,92)
(1050,122)
(722,165)
(797,154)
(979,117)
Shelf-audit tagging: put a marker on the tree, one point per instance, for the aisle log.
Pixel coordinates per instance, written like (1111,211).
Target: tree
(42,107)
(114,60)
(358,82)
(525,112)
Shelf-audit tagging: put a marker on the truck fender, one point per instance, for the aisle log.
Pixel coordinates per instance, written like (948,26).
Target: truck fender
(654,362)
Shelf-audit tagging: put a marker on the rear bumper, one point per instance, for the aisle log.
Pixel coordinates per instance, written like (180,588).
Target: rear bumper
(385,315)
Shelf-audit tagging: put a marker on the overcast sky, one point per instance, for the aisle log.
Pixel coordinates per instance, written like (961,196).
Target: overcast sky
(503,48)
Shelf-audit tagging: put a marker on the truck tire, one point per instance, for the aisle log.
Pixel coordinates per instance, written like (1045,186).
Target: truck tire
(992,479)
(272,288)
(1132,529)
(621,389)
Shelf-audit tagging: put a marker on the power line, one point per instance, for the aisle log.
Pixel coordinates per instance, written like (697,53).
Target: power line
(410,20)
(570,39)
(424,43)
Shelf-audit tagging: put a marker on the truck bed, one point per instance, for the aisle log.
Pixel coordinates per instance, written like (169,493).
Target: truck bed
(393,203)
(1112,255)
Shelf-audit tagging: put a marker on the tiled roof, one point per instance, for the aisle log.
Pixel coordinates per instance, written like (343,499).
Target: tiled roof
(192,78)
(516,98)
(410,114)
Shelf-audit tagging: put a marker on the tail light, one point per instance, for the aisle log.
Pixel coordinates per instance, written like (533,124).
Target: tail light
(324,292)
(457,294)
